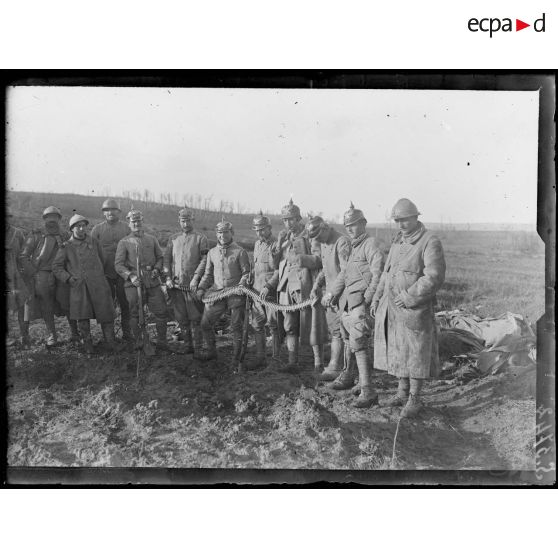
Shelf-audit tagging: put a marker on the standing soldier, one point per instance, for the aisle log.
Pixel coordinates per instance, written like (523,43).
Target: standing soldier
(227,265)
(334,250)
(79,263)
(354,288)
(266,278)
(296,264)
(108,234)
(405,339)
(140,247)
(17,289)
(49,297)
(184,265)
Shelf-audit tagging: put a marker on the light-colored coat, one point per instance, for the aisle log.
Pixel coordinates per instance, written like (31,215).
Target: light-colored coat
(405,339)
(91,296)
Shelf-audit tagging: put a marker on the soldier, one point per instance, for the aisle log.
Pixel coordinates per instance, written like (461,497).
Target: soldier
(227,265)
(354,288)
(49,297)
(266,278)
(296,264)
(405,339)
(79,263)
(334,252)
(184,265)
(108,234)
(142,247)
(18,292)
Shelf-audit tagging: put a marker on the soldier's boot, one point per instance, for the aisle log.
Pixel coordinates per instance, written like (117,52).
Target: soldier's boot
(74,332)
(209,350)
(414,403)
(346,379)
(85,331)
(261,358)
(108,334)
(52,338)
(136,339)
(292,348)
(24,332)
(368,395)
(161,327)
(401,397)
(275,343)
(197,339)
(127,334)
(236,365)
(318,351)
(335,365)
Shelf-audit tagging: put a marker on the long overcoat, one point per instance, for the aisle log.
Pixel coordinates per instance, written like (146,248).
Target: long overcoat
(18,291)
(91,296)
(405,339)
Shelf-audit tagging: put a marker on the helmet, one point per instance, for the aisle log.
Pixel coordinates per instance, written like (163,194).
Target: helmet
(134,215)
(315,225)
(223,226)
(110,203)
(51,210)
(290,210)
(186,213)
(353,216)
(404,208)
(77,218)
(260,222)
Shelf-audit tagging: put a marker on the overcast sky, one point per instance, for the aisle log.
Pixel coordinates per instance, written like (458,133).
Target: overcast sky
(461,156)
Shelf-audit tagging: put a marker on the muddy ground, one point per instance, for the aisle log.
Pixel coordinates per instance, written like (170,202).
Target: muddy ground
(69,409)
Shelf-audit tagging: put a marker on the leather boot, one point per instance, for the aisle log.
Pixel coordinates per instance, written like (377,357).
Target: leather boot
(318,351)
(261,359)
(135,329)
(276,343)
(346,379)
(414,403)
(368,395)
(74,332)
(197,339)
(401,397)
(25,339)
(108,333)
(237,346)
(85,330)
(161,327)
(209,351)
(292,347)
(127,334)
(335,365)
(188,341)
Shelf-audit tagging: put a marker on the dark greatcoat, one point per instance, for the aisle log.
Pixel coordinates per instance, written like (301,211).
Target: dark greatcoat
(405,339)
(91,296)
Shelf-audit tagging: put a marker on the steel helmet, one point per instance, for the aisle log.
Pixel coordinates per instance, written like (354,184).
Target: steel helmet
(110,203)
(290,210)
(223,226)
(50,210)
(353,216)
(186,213)
(77,218)
(404,208)
(134,215)
(260,222)
(315,225)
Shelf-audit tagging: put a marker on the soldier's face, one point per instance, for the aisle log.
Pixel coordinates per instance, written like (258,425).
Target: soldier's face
(112,215)
(186,224)
(79,230)
(136,226)
(356,229)
(263,234)
(224,237)
(409,224)
(52,223)
(291,223)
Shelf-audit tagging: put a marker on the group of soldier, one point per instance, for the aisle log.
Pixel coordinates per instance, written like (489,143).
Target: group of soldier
(313,284)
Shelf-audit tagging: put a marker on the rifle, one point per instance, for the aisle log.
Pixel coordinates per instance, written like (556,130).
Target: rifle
(148,347)
(245,327)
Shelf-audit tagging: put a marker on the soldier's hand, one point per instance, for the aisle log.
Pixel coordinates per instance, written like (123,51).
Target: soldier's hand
(73,281)
(194,284)
(155,273)
(200,293)
(374,308)
(264,293)
(326,299)
(399,302)
(169,283)
(134,279)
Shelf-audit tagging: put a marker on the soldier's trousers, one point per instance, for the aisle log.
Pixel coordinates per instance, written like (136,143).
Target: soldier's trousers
(186,311)
(118,291)
(154,299)
(357,327)
(291,320)
(333,318)
(213,312)
(45,294)
(262,315)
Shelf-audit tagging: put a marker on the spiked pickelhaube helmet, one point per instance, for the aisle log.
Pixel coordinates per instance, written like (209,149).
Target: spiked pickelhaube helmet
(110,203)
(260,222)
(404,208)
(315,225)
(51,210)
(353,216)
(224,226)
(186,213)
(77,218)
(290,210)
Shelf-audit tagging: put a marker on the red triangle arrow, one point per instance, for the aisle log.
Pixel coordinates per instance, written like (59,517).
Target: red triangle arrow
(519,25)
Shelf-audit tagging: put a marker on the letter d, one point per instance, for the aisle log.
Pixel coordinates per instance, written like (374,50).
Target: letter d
(535,25)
